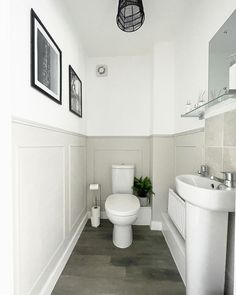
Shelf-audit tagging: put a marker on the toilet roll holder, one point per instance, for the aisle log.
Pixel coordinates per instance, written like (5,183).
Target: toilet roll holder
(95,211)
(96,187)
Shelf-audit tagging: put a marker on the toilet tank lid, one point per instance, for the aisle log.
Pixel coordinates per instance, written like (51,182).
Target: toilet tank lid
(122,166)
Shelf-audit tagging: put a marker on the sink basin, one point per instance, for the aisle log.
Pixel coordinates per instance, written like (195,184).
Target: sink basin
(202,192)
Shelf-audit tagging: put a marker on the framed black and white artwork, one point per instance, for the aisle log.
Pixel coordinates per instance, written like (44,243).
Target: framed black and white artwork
(46,61)
(75,93)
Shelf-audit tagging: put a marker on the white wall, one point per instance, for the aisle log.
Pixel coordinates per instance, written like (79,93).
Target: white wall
(119,104)
(177,72)
(6,210)
(49,163)
(27,102)
(137,96)
(202,20)
(163,108)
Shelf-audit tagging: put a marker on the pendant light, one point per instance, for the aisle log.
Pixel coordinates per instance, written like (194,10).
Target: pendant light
(130,16)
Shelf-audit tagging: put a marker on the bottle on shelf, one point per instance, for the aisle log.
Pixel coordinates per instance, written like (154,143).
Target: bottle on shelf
(188,106)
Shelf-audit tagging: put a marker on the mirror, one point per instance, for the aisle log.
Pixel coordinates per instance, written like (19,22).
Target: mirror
(222,59)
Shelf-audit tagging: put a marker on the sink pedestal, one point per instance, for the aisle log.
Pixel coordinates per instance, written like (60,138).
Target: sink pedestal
(207,211)
(206,243)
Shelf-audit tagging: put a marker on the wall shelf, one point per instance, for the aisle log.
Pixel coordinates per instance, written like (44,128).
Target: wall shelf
(199,112)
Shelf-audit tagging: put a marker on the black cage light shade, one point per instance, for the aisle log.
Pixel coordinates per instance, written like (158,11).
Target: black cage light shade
(130,16)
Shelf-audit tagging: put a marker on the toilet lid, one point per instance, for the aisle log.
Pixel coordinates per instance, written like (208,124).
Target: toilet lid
(122,204)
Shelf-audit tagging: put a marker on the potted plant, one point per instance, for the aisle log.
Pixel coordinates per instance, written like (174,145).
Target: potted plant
(143,189)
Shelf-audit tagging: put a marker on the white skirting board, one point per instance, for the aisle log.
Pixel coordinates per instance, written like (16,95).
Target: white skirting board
(175,243)
(156,225)
(144,217)
(52,280)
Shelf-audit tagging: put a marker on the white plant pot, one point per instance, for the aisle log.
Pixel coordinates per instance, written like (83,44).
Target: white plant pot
(144,201)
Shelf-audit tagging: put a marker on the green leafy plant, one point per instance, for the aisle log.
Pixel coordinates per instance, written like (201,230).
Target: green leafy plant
(142,187)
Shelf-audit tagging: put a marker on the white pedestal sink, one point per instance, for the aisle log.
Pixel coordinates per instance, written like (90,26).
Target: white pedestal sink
(206,233)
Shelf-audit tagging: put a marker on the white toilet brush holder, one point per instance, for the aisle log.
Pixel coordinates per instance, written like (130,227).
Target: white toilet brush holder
(95,216)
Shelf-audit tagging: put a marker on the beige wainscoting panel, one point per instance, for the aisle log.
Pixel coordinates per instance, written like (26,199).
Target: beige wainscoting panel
(189,152)
(77,183)
(162,167)
(48,164)
(105,151)
(188,159)
(190,138)
(41,200)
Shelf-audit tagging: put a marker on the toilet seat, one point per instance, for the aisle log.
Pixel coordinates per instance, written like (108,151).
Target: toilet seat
(122,204)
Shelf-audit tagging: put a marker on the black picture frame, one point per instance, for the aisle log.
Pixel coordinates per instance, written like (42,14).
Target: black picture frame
(75,95)
(46,61)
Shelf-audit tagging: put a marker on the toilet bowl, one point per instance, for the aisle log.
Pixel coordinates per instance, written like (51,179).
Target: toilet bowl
(122,211)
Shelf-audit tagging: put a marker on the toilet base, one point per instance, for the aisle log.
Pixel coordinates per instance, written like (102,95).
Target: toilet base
(122,236)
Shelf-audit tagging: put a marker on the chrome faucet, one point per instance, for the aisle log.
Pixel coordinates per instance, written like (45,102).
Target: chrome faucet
(204,171)
(227,182)
(217,179)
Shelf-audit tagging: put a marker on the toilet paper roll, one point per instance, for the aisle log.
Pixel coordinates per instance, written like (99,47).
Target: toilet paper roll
(95,221)
(95,216)
(95,211)
(94,187)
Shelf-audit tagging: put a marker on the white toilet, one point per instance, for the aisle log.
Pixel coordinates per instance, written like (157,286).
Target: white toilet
(122,207)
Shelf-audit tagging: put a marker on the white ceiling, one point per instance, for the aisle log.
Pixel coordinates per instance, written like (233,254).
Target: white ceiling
(95,21)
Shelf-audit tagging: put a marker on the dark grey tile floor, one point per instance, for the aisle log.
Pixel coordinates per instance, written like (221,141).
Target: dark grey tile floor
(97,267)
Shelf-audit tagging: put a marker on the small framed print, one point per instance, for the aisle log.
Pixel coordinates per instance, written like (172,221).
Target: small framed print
(46,61)
(75,93)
